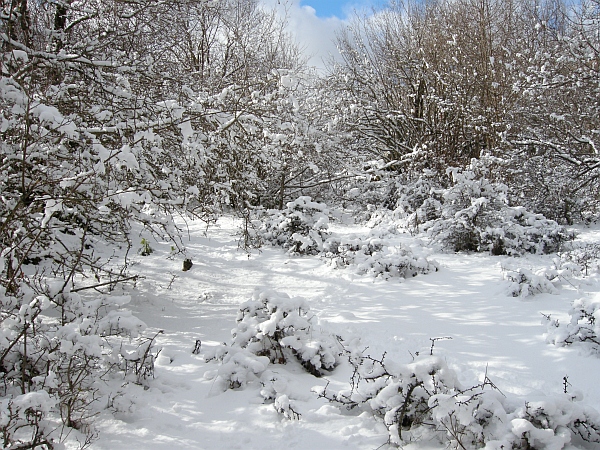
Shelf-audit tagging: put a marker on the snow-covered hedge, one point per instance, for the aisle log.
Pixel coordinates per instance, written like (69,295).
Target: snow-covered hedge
(520,231)
(57,353)
(300,228)
(424,401)
(583,258)
(476,217)
(525,283)
(371,256)
(583,327)
(273,328)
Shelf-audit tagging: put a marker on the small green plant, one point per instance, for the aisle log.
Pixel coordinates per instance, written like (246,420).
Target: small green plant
(146,249)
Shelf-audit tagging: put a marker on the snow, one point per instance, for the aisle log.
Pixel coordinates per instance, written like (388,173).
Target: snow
(492,335)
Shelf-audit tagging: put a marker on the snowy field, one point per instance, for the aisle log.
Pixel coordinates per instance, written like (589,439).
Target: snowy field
(467,300)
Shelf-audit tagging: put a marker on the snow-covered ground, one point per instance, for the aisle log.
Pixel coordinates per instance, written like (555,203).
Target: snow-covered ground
(467,300)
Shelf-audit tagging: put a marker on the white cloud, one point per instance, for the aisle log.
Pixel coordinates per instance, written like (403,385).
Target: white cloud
(315,35)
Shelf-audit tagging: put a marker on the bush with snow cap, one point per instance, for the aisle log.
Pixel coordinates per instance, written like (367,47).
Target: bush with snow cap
(423,400)
(583,327)
(520,231)
(371,256)
(273,328)
(476,217)
(300,228)
(525,283)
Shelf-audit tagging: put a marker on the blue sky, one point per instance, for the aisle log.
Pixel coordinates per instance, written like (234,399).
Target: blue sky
(314,23)
(338,8)
(327,8)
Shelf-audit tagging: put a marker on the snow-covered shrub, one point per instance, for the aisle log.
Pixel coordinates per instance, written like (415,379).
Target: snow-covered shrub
(300,228)
(423,400)
(525,283)
(476,217)
(563,269)
(137,363)
(470,205)
(239,367)
(520,231)
(583,326)
(371,256)
(398,394)
(24,420)
(418,202)
(273,328)
(61,347)
(583,258)
(275,389)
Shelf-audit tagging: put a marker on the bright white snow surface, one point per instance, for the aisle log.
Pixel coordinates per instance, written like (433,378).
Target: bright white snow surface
(466,300)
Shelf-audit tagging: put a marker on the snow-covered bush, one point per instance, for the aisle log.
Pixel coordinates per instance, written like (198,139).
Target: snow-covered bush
(398,394)
(418,202)
(24,420)
(423,400)
(582,258)
(476,217)
(525,283)
(61,348)
(583,326)
(470,205)
(239,367)
(273,328)
(300,228)
(371,256)
(520,231)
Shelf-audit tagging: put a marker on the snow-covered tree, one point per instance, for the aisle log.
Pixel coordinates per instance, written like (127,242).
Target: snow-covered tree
(555,132)
(100,133)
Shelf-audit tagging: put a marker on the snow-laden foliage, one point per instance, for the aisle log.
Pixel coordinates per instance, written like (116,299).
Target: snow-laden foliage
(239,367)
(525,283)
(374,257)
(111,123)
(63,348)
(300,228)
(581,259)
(418,202)
(521,231)
(273,328)
(475,216)
(583,327)
(423,400)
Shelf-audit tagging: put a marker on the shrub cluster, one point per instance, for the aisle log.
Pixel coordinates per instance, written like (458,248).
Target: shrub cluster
(416,401)
(57,353)
(372,256)
(583,327)
(300,228)
(475,216)
(423,400)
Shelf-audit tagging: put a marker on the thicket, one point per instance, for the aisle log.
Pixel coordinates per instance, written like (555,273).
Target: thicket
(420,400)
(420,96)
(118,115)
